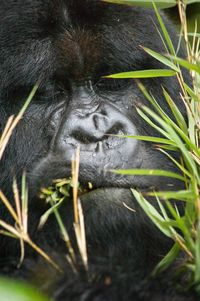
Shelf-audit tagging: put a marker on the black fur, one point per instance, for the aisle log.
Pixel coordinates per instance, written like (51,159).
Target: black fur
(68,46)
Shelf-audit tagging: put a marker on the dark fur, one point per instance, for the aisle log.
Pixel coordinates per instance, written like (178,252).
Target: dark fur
(69,46)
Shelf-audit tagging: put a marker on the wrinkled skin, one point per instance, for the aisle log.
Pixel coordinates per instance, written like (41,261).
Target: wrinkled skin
(69,46)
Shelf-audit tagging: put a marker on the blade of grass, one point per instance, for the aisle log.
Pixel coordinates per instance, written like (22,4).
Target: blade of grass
(162,59)
(144,3)
(164,31)
(176,112)
(148,172)
(153,214)
(143,74)
(167,260)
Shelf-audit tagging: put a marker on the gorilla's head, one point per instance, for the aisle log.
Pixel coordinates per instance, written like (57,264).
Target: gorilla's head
(70,46)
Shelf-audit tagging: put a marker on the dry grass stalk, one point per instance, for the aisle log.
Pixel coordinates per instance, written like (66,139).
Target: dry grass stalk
(20,228)
(20,216)
(79,226)
(13,121)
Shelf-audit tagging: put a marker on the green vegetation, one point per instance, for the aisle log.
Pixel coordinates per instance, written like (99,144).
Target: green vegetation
(184,139)
(18,291)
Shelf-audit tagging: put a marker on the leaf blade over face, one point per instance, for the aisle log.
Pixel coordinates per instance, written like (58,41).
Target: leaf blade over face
(144,3)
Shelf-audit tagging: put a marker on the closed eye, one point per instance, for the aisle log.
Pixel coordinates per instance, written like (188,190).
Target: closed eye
(112,85)
(51,90)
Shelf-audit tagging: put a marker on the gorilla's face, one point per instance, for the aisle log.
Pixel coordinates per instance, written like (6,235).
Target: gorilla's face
(69,46)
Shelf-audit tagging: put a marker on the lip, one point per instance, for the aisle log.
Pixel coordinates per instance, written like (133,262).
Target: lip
(110,189)
(101,194)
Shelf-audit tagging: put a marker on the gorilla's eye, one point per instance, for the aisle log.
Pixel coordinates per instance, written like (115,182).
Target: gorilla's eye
(51,90)
(112,85)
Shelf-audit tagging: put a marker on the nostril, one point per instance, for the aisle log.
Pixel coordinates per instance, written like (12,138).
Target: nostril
(116,129)
(100,121)
(83,137)
(96,121)
(86,136)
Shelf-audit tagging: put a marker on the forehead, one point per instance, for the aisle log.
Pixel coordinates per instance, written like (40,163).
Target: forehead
(76,35)
(44,17)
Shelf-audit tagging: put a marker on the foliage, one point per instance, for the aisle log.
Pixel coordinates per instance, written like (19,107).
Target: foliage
(183,138)
(149,3)
(11,290)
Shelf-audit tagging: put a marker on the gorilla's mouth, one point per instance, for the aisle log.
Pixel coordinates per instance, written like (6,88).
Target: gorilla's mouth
(90,179)
(104,198)
(63,188)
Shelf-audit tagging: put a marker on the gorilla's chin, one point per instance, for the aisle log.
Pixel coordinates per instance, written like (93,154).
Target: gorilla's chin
(108,195)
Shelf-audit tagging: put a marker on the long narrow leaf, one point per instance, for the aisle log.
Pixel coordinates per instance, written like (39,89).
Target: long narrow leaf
(167,260)
(174,137)
(164,30)
(186,64)
(162,59)
(147,138)
(148,172)
(176,112)
(152,213)
(178,195)
(143,74)
(145,3)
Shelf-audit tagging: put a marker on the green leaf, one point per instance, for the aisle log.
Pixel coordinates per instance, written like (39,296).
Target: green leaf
(194,34)
(186,64)
(164,31)
(50,211)
(167,260)
(197,249)
(178,195)
(177,114)
(162,59)
(143,74)
(29,99)
(146,3)
(192,94)
(147,138)
(148,172)
(152,213)
(167,129)
(152,124)
(18,291)
(171,134)
(177,163)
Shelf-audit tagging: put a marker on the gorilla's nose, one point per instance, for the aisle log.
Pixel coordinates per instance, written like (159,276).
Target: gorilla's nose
(88,127)
(96,127)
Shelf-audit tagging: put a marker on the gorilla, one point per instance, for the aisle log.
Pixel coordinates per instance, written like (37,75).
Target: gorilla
(69,46)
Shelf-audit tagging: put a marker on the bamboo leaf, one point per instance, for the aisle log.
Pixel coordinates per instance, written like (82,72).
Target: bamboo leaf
(47,213)
(176,112)
(171,134)
(162,59)
(164,31)
(146,3)
(192,94)
(11,290)
(178,195)
(148,172)
(152,213)
(167,260)
(143,74)
(186,64)
(197,249)
(147,138)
